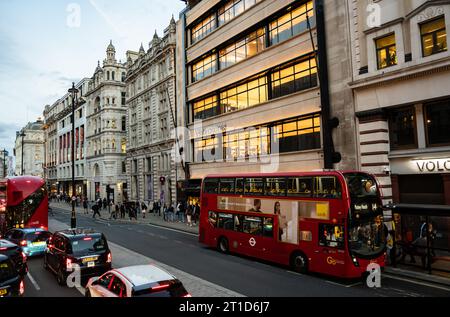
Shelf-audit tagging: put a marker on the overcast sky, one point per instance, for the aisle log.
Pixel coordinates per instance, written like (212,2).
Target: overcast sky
(45,45)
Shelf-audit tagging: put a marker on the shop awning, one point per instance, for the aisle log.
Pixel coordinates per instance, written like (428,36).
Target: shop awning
(419,209)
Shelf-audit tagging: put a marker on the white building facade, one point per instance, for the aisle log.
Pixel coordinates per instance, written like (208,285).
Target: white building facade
(32,144)
(151,105)
(106,130)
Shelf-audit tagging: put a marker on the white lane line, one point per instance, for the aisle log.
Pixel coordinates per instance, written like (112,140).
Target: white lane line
(32,280)
(175,230)
(416,282)
(81,290)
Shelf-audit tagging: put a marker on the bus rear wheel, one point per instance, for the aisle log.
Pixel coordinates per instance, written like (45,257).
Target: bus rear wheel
(299,263)
(223,245)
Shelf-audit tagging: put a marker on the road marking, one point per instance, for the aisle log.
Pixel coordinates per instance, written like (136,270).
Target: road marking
(35,284)
(385,275)
(175,230)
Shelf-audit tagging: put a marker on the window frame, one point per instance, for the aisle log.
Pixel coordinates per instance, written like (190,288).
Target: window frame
(403,147)
(387,50)
(421,25)
(425,118)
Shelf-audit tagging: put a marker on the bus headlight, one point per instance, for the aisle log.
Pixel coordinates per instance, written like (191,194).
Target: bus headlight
(355,261)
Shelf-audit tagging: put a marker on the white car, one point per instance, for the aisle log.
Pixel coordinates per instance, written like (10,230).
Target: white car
(136,281)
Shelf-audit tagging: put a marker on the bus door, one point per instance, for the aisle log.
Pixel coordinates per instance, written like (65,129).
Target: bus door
(250,238)
(330,250)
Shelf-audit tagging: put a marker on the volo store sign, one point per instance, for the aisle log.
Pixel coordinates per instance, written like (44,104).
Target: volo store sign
(433,166)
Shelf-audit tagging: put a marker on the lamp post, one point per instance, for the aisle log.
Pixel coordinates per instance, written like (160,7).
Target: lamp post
(73,91)
(23,135)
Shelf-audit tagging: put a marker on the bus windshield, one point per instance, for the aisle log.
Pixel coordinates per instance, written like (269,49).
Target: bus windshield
(364,194)
(367,238)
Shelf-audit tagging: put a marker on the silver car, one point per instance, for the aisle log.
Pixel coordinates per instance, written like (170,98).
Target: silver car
(136,281)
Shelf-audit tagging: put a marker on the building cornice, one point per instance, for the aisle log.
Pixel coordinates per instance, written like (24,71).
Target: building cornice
(406,73)
(427,4)
(103,84)
(383,26)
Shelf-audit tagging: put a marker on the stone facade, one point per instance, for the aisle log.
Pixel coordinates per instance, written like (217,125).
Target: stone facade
(389,100)
(150,120)
(105,133)
(33,150)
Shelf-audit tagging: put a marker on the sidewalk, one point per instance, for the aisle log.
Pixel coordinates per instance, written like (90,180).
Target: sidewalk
(149,218)
(419,276)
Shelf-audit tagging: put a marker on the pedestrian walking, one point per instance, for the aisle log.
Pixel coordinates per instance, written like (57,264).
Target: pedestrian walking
(189,215)
(85,206)
(96,209)
(144,209)
(122,211)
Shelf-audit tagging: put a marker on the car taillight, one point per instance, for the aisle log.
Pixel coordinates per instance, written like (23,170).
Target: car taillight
(109,260)
(160,287)
(24,257)
(68,264)
(22,288)
(23,243)
(3,249)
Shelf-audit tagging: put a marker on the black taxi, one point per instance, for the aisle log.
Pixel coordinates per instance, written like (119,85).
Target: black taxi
(85,250)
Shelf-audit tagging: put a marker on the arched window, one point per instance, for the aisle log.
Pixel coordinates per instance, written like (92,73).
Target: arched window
(113,75)
(107,75)
(113,144)
(123,76)
(124,123)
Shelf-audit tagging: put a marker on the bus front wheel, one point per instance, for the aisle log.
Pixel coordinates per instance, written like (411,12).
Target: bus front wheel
(223,245)
(299,263)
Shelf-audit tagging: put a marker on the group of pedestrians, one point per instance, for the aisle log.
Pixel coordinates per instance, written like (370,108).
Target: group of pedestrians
(181,212)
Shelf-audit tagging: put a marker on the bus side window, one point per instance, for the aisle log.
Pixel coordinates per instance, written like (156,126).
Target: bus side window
(253,225)
(300,186)
(225,221)
(240,186)
(268,227)
(211,186)
(331,236)
(238,223)
(212,218)
(227,186)
(327,187)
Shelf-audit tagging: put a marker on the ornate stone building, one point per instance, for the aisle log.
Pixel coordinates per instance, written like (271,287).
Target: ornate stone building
(106,129)
(150,119)
(58,143)
(33,149)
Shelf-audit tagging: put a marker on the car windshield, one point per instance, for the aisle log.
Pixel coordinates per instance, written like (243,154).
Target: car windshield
(368,237)
(38,236)
(88,245)
(6,271)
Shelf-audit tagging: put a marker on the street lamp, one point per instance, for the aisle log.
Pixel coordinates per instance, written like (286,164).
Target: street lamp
(74,92)
(23,135)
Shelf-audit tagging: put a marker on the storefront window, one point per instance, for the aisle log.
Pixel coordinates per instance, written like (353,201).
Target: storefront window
(437,116)
(402,128)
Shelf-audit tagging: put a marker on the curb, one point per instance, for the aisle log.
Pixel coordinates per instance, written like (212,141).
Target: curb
(423,277)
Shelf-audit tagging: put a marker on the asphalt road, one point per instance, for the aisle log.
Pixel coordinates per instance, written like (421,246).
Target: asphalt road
(42,283)
(243,275)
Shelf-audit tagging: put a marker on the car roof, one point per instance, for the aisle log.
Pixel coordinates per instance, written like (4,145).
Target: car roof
(6,244)
(141,275)
(79,233)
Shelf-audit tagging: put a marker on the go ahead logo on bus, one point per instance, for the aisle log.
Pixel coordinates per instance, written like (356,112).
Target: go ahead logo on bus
(252,242)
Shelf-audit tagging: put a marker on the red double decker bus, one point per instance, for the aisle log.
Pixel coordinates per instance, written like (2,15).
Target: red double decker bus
(23,203)
(324,222)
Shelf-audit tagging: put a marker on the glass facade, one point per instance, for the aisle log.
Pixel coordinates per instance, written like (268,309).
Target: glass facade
(284,80)
(292,135)
(203,28)
(402,128)
(249,45)
(204,68)
(292,23)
